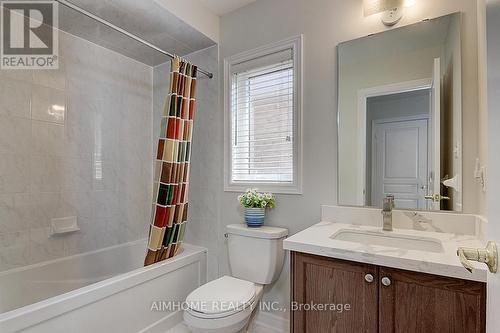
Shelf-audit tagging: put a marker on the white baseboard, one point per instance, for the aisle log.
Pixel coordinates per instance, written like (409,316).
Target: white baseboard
(268,322)
(264,322)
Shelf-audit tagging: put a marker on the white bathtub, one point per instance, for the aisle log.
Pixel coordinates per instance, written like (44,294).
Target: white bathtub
(102,291)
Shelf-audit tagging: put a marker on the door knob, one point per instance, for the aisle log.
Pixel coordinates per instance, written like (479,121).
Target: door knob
(488,256)
(436,197)
(369,278)
(386,281)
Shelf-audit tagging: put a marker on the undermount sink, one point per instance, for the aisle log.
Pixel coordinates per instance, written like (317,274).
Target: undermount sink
(390,239)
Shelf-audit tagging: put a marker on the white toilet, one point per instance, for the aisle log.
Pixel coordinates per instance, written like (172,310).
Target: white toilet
(225,305)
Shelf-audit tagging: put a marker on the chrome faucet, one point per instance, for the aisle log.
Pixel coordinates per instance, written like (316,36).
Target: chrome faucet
(387,212)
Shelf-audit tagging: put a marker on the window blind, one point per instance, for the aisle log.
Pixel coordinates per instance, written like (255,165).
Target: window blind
(262,109)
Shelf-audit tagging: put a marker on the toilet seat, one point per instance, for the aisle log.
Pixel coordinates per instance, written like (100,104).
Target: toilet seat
(221,298)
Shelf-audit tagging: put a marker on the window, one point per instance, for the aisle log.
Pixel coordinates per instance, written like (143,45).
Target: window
(263,144)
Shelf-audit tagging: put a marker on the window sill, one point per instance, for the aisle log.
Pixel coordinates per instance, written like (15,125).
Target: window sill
(275,189)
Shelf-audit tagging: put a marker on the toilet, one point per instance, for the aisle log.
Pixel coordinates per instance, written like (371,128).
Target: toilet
(226,305)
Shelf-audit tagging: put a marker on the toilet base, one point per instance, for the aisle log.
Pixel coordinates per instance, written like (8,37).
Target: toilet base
(235,323)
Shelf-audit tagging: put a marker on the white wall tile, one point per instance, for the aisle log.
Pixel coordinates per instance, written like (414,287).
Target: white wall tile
(14,249)
(47,138)
(15,135)
(52,78)
(13,212)
(90,237)
(46,173)
(92,160)
(16,74)
(43,246)
(80,125)
(14,173)
(48,104)
(15,97)
(43,208)
(76,174)
(77,203)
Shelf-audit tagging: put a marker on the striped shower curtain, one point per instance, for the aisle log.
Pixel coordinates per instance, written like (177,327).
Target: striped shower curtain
(171,176)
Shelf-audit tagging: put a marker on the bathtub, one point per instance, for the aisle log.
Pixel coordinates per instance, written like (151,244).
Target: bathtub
(101,291)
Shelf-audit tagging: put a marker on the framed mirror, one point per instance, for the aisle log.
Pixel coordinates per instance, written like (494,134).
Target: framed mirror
(400,117)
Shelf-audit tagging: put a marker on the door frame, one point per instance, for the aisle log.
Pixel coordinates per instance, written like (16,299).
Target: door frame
(398,120)
(363,95)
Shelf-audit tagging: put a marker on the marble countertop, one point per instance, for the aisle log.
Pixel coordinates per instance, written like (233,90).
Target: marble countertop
(316,240)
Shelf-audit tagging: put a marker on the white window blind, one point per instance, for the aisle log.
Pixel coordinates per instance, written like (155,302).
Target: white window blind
(262,119)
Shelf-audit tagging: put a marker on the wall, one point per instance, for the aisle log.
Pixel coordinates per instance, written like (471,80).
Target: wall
(483,97)
(451,122)
(90,157)
(196,14)
(206,157)
(324,25)
(492,14)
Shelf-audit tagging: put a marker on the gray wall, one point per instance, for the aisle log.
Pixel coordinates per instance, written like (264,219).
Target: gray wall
(324,24)
(493,126)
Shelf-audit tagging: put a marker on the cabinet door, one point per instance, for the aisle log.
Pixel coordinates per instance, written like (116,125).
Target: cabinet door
(424,303)
(318,280)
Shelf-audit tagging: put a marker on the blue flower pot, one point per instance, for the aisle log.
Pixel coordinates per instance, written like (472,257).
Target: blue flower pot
(254,217)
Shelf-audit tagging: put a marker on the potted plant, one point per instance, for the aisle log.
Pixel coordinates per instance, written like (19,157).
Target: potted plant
(255,204)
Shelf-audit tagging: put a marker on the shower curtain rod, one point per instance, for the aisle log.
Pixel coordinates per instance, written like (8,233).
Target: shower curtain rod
(125,32)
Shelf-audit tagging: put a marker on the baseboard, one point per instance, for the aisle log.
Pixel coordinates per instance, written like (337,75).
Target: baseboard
(272,322)
(164,324)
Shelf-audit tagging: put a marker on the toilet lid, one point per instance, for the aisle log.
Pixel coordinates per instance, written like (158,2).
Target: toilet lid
(226,294)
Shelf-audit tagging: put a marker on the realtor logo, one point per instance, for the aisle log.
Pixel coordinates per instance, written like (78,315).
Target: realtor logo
(29,38)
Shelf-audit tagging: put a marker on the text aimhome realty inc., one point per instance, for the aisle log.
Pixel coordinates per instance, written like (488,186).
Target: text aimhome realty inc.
(218,306)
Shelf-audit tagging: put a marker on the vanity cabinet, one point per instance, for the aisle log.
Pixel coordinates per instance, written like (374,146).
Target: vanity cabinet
(369,298)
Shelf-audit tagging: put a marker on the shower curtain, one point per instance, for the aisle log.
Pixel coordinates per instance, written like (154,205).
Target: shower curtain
(171,177)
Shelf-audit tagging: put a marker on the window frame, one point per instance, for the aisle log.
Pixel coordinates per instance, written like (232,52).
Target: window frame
(295,44)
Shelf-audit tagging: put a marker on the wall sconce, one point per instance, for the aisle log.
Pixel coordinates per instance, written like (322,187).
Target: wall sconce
(392,10)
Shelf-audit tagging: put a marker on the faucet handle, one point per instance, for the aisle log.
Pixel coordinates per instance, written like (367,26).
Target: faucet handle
(388,202)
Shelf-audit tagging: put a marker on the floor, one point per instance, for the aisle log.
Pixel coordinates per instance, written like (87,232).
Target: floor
(181,328)
(256,328)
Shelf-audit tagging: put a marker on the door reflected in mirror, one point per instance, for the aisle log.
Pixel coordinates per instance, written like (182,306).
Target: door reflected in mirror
(400,117)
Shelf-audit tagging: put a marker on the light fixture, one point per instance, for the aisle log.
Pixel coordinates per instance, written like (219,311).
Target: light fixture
(392,16)
(392,10)
(410,3)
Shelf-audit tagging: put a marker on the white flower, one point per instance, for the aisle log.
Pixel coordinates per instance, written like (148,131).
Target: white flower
(252,198)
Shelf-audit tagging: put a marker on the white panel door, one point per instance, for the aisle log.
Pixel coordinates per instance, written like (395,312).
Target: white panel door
(400,162)
(493,15)
(435,184)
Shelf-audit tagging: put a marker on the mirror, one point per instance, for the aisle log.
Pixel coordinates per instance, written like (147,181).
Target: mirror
(400,117)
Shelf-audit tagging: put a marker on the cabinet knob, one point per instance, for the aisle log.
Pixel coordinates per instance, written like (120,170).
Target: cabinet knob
(386,281)
(369,278)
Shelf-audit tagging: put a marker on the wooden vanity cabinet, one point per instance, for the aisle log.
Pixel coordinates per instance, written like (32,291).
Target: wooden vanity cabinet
(319,280)
(417,302)
(411,302)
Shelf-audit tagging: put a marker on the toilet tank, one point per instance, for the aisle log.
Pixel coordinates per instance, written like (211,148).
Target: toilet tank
(256,254)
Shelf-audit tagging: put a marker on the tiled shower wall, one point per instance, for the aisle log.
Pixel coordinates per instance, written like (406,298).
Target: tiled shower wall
(74,142)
